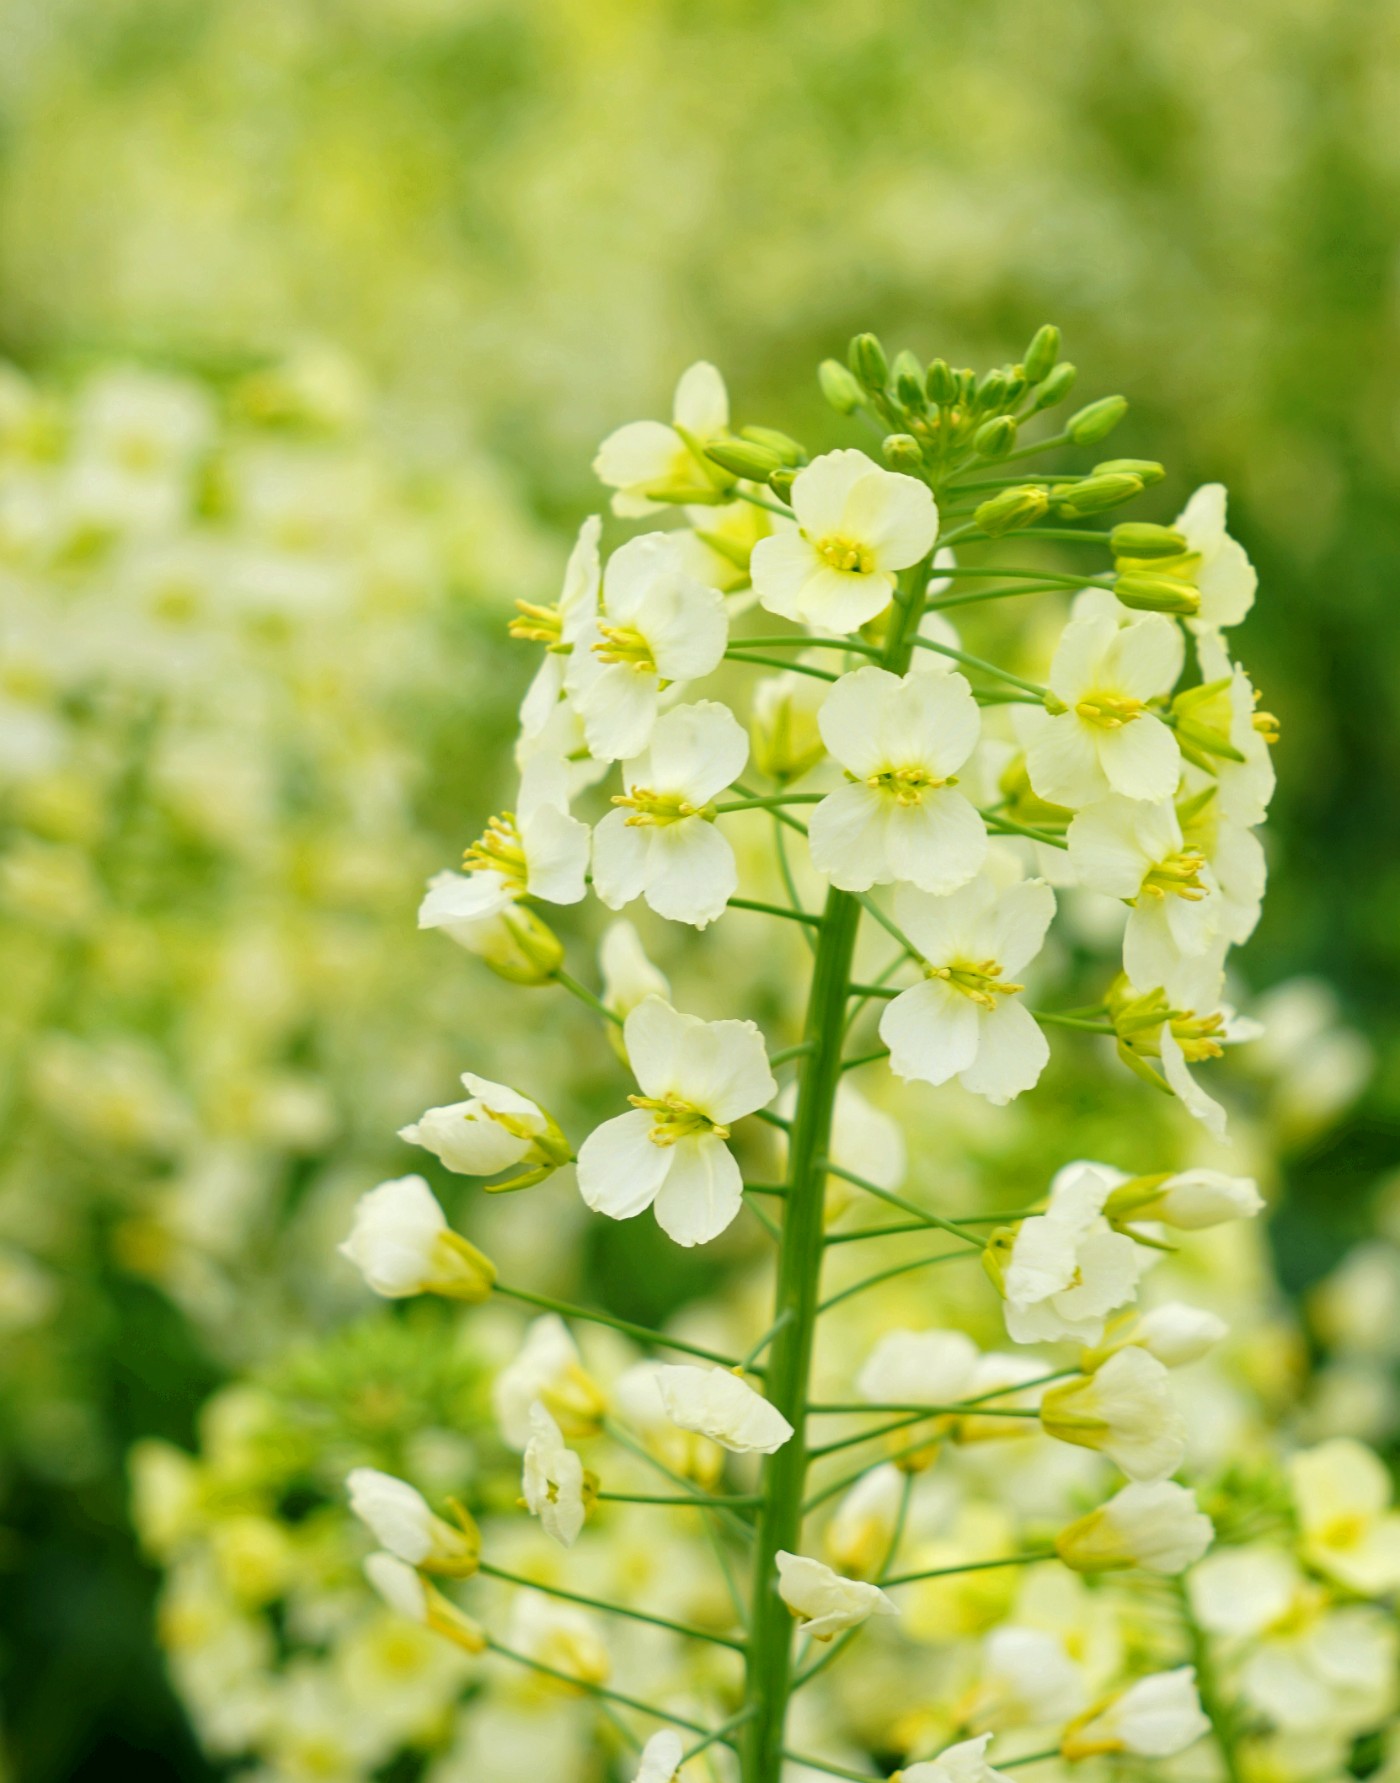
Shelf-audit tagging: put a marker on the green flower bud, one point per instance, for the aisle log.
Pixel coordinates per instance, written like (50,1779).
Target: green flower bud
(995,438)
(786,448)
(781,483)
(1012,508)
(867,360)
(942,384)
(1015,388)
(1042,353)
(1056,387)
(1097,421)
(743,458)
(909,379)
(1146,468)
(902,452)
(991,392)
(1094,494)
(839,387)
(521,947)
(1142,540)
(967,385)
(1156,594)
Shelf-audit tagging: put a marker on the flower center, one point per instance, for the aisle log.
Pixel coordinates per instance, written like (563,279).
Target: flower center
(1110,711)
(538,625)
(1346,1530)
(980,982)
(906,786)
(648,807)
(499,850)
(625,644)
(1179,875)
(845,554)
(1199,1036)
(676,1120)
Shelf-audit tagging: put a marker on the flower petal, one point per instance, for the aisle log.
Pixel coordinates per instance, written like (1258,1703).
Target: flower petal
(931,1031)
(620,1171)
(1011,1054)
(702,1193)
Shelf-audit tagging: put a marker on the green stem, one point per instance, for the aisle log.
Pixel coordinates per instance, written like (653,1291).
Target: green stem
(611,1609)
(885,1275)
(584,995)
(601,1691)
(775,910)
(973,1566)
(980,663)
(777,662)
(643,1333)
(909,1207)
(770,802)
(1218,1711)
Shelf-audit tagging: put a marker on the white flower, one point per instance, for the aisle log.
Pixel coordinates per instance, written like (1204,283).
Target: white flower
(637,1392)
(657,626)
(629,976)
(714,1402)
(697,1078)
(1224,576)
(399,1518)
(1343,1494)
(919,1368)
(536,851)
(412,1597)
(1240,1592)
(1193,1200)
(547,1369)
(1234,859)
(963,1020)
(661,1757)
(1331,1670)
(1157,1527)
(1155,1718)
(1127,848)
(1028,1679)
(1104,739)
(857,525)
(1197,1028)
(553,1479)
(897,816)
(823,1602)
(859,1534)
(401,1243)
(963,1763)
(559,627)
(496,1129)
(1177,1334)
(661,843)
(1126,1410)
(1066,1271)
(559,1636)
(1225,703)
(647,456)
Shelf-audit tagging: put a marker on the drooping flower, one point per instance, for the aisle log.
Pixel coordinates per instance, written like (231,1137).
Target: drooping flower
(400,1519)
(661,843)
(1099,736)
(1349,1530)
(864,1524)
(495,1129)
(898,817)
(823,1602)
(696,1078)
(714,1402)
(857,526)
(554,1482)
(401,1243)
(549,1369)
(1066,1270)
(1176,1334)
(647,459)
(413,1597)
(964,1763)
(1125,1410)
(1157,1527)
(964,1019)
(1154,1718)
(661,1757)
(657,626)
(1190,1200)
(559,627)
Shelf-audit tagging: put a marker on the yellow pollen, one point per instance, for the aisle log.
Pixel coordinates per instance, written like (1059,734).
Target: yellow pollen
(906,786)
(625,644)
(1110,711)
(1267,726)
(648,807)
(1179,875)
(676,1120)
(980,982)
(537,624)
(499,850)
(1346,1530)
(846,554)
(1200,1036)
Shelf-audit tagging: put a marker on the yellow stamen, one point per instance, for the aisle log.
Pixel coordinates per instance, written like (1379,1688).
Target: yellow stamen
(906,786)
(1179,875)
(537,624)
(1110,711)
(648,807)
(979,982)
(625,644)
(499,850)
(676,1120)
(846,554)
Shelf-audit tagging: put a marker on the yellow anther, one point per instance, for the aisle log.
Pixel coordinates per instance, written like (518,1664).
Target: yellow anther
(648,807)
(676,1120)
(499,850)
(1200,1036)
(979,982)
(1179,874)
(625,644)
(846,554)
(1110,711)
(1267,726)
(537,624)
(906,786)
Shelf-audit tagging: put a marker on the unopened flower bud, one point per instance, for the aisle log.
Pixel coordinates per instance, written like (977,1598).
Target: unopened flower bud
(901,452)
(1146,468)
(909,379)
(840,387)
(941,384)
(1156,1527)
(1056,387)
(1146,593)
(995,438)
(403,1590)
(781,483)
(783,444)
(1097,420)
(991,392)
(745,458)
(1012,508)
(783,731)
(1141,539)
(495,1129)
(1191,1200)
(1042,353)
(867,360)
(1093,494)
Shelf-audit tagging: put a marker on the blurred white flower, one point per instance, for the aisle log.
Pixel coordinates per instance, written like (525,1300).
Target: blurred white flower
(400,1519)
(964,1763)
(546,1368)
(1154,1718)
(1349,1531)
(1157,1527)
(714,1402)
(1125,1410)
(823,1602)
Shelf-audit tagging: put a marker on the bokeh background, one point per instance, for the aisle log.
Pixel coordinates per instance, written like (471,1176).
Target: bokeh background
(313,312)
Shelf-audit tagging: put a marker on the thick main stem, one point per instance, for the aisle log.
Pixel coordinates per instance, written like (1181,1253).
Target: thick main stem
(798,1296)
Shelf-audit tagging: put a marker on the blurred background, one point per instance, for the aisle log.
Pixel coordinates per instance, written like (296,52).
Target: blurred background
(313,313)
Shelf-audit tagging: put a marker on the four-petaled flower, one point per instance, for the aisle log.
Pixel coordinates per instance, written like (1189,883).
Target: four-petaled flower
(644,460)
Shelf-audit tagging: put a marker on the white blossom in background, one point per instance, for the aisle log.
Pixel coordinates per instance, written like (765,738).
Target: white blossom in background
(784,726)
(823,1602)
(553,1479)
(1176,1334)
(559,627)
(629,975)
(647,456)
(1189,1200)
(1157,1527)
(964,1763)
(1349,1530)
(714,1402)
(857,526)
(547,1368)
(864,1522)
(669,1153)
(1028,1679)
(1154,1718)
(1126,1410)
(919,1368)
(410,1596)
(656,627)
(660,1758)
(661,842)
(1223,575)
(1103,738)
(401,1243)
(898,816)
(964,1019)
(1066,1269)
(495,1129)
